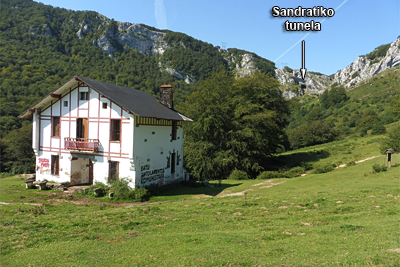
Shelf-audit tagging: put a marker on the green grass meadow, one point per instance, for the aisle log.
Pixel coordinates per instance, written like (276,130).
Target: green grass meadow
(347,217)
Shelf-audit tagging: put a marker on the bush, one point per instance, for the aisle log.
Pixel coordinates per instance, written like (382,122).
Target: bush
(378,128)
(379,168)
(103,189)
(297,170)
(5,174)
(351,163)
(307,166)
(141,193)
(269,175)
(238,175)
(121,189)
(328,167)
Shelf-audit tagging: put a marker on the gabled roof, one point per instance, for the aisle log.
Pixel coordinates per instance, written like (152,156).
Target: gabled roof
(135,101)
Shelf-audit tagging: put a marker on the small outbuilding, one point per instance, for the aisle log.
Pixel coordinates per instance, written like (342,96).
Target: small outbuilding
(389,153)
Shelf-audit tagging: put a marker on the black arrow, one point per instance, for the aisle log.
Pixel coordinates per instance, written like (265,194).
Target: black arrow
(303,69)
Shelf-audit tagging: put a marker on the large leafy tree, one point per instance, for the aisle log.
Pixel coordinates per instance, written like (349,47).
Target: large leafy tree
(238,124)
(313,133)
(392,139)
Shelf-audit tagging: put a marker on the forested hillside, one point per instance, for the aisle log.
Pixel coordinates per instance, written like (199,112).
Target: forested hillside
(41,47)
(363,109)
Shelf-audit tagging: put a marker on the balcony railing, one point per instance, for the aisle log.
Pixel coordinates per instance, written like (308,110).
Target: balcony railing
(81,144)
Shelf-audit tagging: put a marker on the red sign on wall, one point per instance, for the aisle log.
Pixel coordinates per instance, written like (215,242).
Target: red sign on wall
(44,163)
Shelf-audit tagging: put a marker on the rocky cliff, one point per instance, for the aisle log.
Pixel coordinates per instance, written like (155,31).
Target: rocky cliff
(369,65)
(114,35)
(313,83)
(382,58)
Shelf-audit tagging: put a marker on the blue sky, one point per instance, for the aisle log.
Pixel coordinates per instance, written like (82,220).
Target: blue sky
(357,27)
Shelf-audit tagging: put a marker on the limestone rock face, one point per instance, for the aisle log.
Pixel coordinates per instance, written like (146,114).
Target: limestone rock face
(363,68)
(246,66)
(313,82)
(44,30)
(133,36)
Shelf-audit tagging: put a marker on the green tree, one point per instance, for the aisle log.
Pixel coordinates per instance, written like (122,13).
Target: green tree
(367,120)
(238,124)
(314,133)
(336,97)
(16,151)
(392,139)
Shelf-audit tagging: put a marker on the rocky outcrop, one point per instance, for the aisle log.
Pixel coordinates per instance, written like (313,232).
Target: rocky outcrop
(363,68)
(44,30)
(246,66)
(133,36)
(179,76)
(313,82)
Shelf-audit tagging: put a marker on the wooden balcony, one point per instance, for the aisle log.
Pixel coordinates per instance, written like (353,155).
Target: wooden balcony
(81,144)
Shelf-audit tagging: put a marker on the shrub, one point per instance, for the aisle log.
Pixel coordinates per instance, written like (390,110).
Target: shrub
(103,189)
(121,189)
(379,168)
(269,175)
(288,174)
(307,166)
(328,167)
(351,163)
(141,193)
(378,128)
(297,170)
(238,175)
(5,174)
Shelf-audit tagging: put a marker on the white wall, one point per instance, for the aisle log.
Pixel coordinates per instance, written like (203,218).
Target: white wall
(151,156)
(136,156)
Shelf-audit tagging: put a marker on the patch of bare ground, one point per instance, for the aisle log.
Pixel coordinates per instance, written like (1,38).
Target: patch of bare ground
(268,184)
(273,184)
(69,197)
(360,161)
(234,194)
(397,250)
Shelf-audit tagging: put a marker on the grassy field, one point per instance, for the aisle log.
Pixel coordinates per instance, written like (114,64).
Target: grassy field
(347,217)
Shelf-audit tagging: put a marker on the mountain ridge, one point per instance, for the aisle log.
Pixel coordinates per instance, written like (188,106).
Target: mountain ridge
(380,59)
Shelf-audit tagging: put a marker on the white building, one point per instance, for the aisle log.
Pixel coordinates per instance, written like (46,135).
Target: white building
(88,131)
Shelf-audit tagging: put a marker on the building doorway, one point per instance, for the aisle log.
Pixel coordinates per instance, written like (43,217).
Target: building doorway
(82,128)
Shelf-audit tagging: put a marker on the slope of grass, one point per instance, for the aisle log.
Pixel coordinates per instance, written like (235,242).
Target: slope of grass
(346,217)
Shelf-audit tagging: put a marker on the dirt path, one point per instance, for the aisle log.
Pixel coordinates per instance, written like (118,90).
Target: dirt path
(344,165)
(265,184)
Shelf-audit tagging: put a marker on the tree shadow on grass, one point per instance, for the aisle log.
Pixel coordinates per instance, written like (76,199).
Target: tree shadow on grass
(181,189)
(296,159)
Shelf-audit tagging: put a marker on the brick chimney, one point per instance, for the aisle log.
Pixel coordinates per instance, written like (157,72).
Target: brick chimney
(166,95)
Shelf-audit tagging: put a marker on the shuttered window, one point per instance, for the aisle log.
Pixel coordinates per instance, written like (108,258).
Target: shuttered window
(55,129)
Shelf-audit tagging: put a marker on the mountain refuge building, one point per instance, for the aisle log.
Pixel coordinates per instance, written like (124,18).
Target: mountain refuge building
(88,131)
